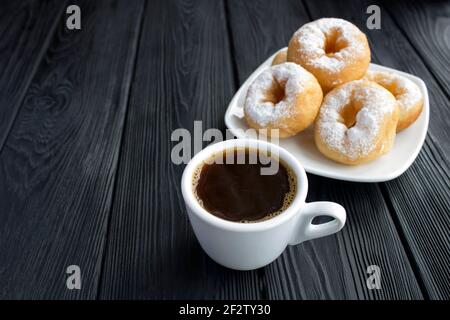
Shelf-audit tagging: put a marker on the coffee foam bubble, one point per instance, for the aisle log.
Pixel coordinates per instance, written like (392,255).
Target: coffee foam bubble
(195,179)
(288,199)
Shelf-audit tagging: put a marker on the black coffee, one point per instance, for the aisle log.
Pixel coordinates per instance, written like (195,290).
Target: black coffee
(232,186)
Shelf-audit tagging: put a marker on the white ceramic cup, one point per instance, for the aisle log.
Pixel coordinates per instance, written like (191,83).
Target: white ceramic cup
(247,246)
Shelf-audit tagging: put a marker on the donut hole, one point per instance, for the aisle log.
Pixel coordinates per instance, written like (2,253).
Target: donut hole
(276,92)
(393,88)
(333,43)
(348,114)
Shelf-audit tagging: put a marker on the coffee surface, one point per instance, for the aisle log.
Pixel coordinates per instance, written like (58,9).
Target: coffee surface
(238,191)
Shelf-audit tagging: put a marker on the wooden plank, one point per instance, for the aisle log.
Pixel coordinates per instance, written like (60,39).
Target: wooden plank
(333,267)
(425,24)
(58,165)
(262,28)
(419,198)
(183,74)
(26,28)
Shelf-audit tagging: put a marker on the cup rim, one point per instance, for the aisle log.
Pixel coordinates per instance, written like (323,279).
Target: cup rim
(203,214)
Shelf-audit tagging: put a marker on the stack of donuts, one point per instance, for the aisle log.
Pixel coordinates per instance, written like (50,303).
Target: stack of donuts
(323,78)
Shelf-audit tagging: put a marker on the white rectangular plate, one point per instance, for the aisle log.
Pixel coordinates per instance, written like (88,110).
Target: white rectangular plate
(407,143)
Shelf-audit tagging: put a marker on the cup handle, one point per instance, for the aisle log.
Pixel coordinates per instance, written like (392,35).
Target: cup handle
(307,231)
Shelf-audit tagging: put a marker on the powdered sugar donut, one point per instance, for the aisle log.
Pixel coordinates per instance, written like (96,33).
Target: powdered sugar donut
(284,97)
(334,50)
(280,57)
(356,123)
(408,95)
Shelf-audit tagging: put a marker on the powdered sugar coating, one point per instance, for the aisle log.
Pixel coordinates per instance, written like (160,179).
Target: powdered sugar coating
(406,92)
(359,140)
(312,39)
(266,113)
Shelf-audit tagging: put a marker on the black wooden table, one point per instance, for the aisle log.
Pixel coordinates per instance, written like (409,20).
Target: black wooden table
(86,118)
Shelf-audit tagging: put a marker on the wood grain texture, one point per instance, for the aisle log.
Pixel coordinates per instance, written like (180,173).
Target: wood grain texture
(426,24)
(421,199)
(422,212)
(333,267)
(58,165)
(263,27)
(65,198)
(26,28)
(183,74)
